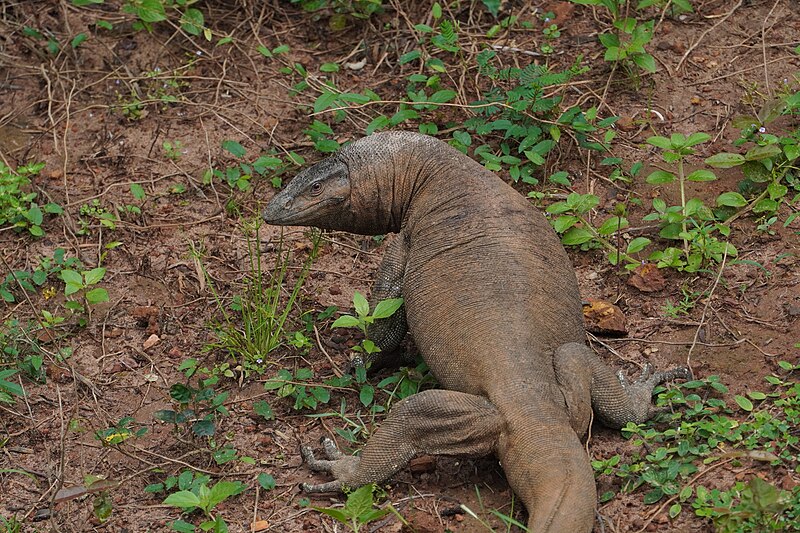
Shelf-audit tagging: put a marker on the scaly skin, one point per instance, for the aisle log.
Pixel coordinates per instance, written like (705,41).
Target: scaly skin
(492,303)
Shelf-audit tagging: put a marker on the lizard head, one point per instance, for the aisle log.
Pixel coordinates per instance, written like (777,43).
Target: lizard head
(318,196)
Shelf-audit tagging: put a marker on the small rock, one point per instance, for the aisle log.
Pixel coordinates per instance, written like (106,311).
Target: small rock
(151,341)
(175,352)
(793,310)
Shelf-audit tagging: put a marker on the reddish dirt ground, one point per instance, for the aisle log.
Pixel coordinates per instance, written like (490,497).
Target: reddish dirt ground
(66,109)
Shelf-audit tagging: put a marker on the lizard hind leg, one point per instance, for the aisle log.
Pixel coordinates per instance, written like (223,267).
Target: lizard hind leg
(433,422)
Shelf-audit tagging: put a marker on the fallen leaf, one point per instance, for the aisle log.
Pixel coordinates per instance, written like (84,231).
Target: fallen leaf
(259,525)
(647,278)
(604,318)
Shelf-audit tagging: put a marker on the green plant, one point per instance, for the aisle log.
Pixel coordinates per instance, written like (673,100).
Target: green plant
(29,281)
(572,222)
(770,165)
(173,149)
(363,319)
(699,428)
(18,208)
(201,496)
(9,389)
(263,310)
(81,283)
(95,212)
(690,220)
(119,433)
(674,7)
(299,385)
(359,510)
(752,507)
(10,525)
(626,47)
(239,175)
(198,407)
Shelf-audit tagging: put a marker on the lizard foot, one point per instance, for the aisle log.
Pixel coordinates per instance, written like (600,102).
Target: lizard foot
(642,389)
(335,463)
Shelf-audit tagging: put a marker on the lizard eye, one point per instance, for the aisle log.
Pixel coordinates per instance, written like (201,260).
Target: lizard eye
(316,188)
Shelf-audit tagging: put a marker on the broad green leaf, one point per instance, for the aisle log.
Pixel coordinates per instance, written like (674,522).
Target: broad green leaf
(96,296)
(744,403)
(325,100)
(563,223)
(345,321)
(701,175)
(329,67)
(182,526)
(409,57)
(697,138)
(366,395)
(725,160)
(576,236)
(359,502)
(440,97)
(638,244)
(94,276)
(659,142)
(337,514)
(378,123)
(266,481)
(645,62)
(137,191)
(387,308)
(73,280)
(611,225)
(223,490)
(731,199)
(757,153)
(204,428)
(361,304)
(234,148)
(263,408)
(183,499)
(659,177)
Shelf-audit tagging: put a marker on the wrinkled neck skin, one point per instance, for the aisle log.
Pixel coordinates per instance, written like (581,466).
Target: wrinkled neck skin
(387,170)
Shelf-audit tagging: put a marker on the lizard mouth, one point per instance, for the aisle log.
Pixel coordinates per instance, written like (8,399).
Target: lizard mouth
(278,215)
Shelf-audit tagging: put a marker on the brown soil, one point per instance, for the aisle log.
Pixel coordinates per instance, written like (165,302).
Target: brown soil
(65,109)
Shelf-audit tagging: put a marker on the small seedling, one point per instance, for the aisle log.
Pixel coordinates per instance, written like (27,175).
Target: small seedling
(18,208)
(204,498)
(359,509)
(364,319)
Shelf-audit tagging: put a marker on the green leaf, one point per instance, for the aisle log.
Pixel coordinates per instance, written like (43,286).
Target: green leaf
(96,296)
(336,514)
(440,97)
(696,138)
(94,276)
(366,395)
(378,123)
(184,499)
(560,178)
(203,428)
(758,153)
(182,526)
(262,408)
(638,244)
(224,490)
(611,225)
(576,236)
(359,502)
(409,57)
(234,148)
(150,11)
(266,481)
(345,321)
(660,142)
(744,403)
(659,177)
(361,304)
(137,191)
(77,40)
(731,199)
(387,308)
(34,215)
(73,280)
(725,160)
(192,21)
(645,62)
(701,175)
(674,510)
(563,223)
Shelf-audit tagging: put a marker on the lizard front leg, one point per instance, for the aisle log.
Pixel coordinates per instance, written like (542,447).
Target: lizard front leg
(388,333)
(437,422)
